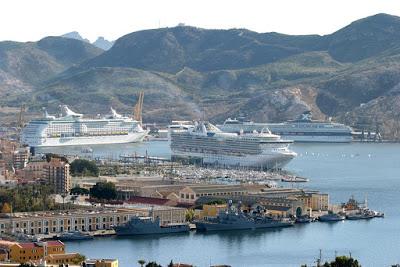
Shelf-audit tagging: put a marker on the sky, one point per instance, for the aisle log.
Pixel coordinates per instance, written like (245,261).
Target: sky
(31,20)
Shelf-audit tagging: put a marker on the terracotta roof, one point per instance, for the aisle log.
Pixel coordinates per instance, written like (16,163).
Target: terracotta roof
(148,200)
(27,245)
(49,243)
(55,243)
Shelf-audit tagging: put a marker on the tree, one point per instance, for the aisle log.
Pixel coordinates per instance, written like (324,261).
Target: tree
(49,156)
(84,167)
(171,264)
(78,259)
(79,191)
(103,190)
(153,264)
(6,208)
(141,262)
(343,261)
(216,202)
(189,215)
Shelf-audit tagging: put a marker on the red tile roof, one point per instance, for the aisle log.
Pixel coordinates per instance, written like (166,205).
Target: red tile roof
(49,243)
(148,200)
(27,245)
(55,243)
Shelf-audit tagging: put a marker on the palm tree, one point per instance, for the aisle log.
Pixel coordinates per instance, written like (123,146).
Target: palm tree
(141,262)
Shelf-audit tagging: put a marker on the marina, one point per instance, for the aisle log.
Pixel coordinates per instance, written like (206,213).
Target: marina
(318,162)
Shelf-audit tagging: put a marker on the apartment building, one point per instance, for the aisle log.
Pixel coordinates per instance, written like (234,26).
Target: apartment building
(56,173)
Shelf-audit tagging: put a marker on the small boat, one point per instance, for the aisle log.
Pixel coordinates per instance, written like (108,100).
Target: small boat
(331,217)
(362,215)
(378,214)
(304,219)
(294,179)
(74,235)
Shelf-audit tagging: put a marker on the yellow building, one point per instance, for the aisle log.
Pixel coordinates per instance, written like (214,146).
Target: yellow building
(320,202)
(190,194)
(101,263)
(67,258)
(85,220)
(211,210)
(3,255)
(24,252)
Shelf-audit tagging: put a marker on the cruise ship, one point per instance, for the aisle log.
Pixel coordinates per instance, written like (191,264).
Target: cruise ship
(71,128)
(303,129)
(206,144)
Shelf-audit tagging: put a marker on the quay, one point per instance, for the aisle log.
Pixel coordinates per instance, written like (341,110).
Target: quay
(96,220)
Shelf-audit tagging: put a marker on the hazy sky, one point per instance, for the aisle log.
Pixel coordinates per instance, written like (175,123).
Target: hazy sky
(30,20)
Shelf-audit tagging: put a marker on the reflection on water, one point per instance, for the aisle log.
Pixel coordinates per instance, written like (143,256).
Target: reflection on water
(342,170)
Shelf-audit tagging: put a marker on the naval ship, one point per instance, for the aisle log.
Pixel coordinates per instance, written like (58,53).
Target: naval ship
(234,219)
(304,129)
(148,226)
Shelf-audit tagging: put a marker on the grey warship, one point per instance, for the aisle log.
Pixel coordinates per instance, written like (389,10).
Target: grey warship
(149,226)
(235,219)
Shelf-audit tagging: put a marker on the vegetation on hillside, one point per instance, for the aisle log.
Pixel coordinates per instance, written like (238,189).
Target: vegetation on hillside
(26,198)
(191,73)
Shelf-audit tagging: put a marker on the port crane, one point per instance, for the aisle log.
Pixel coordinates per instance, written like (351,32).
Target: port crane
(137,109)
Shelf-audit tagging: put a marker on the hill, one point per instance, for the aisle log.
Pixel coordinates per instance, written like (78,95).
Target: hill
(352,74)
(25,66)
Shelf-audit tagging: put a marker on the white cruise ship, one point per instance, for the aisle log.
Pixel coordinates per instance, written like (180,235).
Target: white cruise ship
(73,129)
(206,144)
(302,130)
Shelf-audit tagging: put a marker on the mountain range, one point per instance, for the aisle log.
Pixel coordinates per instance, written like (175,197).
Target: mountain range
(351,75)
(100,42)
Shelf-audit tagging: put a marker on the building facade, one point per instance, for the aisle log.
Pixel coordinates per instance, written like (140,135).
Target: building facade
(56,172)
(84,220)
(32,251)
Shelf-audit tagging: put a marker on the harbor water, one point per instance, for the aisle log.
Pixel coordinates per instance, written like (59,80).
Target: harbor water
(342,170)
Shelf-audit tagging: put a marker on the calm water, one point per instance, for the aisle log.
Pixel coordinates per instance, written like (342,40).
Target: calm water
(361,170)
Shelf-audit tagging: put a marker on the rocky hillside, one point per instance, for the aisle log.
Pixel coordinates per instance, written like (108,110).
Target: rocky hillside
(352,75)
(25,66)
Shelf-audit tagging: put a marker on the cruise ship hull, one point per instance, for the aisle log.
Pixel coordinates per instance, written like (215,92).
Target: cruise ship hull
(318,138)
(89,140)
(305,133)
(257,161)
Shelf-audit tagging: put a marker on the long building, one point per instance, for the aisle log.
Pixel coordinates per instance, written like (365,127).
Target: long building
(84,220)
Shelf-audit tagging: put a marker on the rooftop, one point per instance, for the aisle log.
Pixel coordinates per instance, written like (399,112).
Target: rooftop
(215,188)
